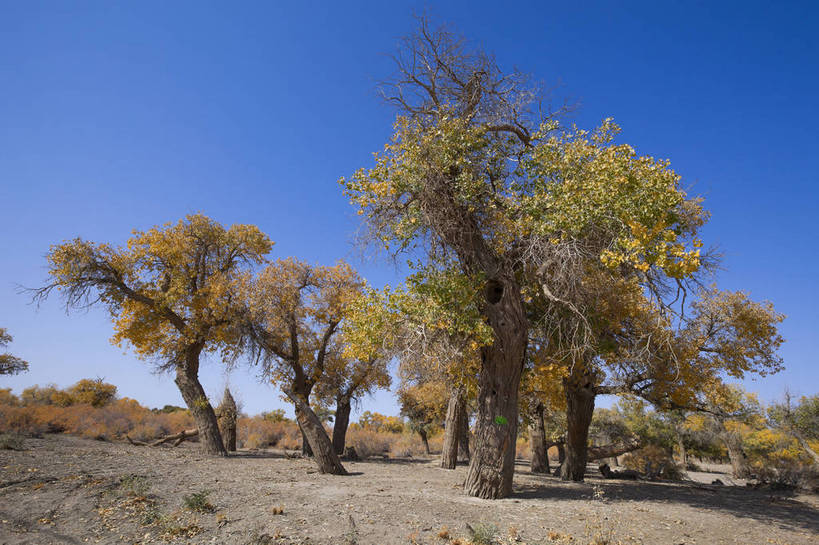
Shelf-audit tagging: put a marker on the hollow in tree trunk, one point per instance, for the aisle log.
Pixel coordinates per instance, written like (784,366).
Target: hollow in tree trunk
(537,442)
(342,421)
(463,436)
(492,465)
(317,438)
(227,413)
(579,410)
(455,408)
(187,379)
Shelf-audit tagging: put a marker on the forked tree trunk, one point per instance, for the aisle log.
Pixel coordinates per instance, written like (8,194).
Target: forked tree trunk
(463,436)
(537,443)
(423,433)
(492,465)
(342,421)
(317,438)
(454,412)
(579,410)
(187,379)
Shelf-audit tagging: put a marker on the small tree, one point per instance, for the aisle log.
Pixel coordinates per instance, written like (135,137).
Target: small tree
(424,406)
(93,392)
(295,312)
(172,293)
(9,364)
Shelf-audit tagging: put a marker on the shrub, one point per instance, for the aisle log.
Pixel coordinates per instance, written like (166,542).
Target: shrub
(653,461)
(198,501)
(11,441)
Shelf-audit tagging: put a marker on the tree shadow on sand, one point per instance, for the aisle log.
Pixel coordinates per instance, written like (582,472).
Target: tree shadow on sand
(770,507)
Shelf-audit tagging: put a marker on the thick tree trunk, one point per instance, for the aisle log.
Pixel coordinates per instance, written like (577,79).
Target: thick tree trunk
(681,451)
(463,436)
(492,465)
(454,411)
(317,438)
(305,443)
(579,410)
(424,440)
(537,443)
(187,380)
(342,421)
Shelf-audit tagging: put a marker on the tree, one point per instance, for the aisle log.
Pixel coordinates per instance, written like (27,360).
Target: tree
(9,364)
(347,380)
(93,392)
(295,312)
(173,293)
(424,406)
(799,420)
(477,175)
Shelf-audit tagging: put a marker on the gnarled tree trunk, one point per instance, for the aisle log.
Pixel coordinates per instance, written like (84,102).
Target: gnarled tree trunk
(537,442)
(492,465)
(311,428)
(454,411)
(423,434)
(187,379)
(228,413)
(579,410)
(613,450)
(463,436)
(342,421)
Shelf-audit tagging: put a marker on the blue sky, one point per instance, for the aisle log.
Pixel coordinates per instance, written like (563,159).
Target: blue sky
(118,116)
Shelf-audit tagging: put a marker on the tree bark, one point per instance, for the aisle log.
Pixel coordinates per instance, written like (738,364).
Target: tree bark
(537,443)
(455,408)
(737,456)
(681,449)
(311,428)
(305,443)
(561,453)
(579,410)
(187,380)
(492,465)
(422,432)
(463,436)
(342,421)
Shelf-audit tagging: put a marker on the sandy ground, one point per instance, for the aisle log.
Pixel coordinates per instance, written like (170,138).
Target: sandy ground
(68,490)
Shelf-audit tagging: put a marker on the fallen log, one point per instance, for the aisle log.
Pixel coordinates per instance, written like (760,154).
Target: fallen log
(614,449)
(177,438)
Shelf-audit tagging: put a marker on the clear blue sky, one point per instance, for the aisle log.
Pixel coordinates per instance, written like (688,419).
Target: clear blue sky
(117,116)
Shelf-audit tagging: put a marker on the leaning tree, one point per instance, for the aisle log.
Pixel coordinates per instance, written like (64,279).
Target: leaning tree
(478,174)
(295,311)
(9,363)
(174,294)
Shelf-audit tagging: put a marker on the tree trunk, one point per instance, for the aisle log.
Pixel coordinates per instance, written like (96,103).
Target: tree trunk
(305,443)
(492,465)
(579,410)
(316,437)
(561,453)
(681,449)
(187,380)
(424,440)
(537,443)
(455,408)
(463,435)
(739,460)
(342,421)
